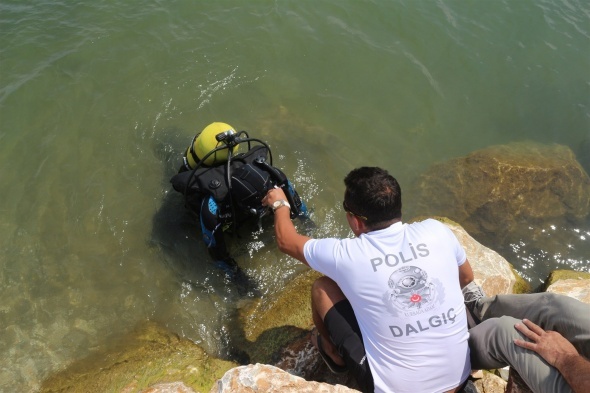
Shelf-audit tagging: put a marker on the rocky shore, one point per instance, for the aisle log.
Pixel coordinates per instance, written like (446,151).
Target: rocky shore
(508,186)
(277,339)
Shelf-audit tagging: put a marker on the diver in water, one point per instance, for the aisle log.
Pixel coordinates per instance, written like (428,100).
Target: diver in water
(224,188)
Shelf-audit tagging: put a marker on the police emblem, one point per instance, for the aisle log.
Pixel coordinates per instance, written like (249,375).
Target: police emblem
(410,289)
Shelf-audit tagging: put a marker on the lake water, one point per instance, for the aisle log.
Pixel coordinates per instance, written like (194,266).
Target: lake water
(99,99)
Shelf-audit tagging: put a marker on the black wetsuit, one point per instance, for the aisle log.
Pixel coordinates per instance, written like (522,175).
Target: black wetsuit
(221,203)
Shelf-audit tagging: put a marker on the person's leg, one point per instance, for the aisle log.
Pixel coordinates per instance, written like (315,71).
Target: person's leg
(325,293)
(336,323)
(491,345)
(560,313)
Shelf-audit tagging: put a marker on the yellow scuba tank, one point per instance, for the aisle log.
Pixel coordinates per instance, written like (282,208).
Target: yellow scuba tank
(205,141)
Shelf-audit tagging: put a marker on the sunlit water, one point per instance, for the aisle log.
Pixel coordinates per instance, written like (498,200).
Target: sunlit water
(99,99)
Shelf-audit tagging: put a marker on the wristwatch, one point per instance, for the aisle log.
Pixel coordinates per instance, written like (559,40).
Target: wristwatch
(280,203)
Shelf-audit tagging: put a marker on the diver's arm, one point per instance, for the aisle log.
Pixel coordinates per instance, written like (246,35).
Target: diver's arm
(465,274)
(288,240)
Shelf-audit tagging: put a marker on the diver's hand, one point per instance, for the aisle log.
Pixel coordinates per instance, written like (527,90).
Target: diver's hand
(274,194)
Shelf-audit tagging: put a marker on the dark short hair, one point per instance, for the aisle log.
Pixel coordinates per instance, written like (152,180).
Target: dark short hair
(373,193)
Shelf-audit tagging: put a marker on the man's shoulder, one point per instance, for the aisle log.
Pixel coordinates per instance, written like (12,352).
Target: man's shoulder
(325,240)
(428,222)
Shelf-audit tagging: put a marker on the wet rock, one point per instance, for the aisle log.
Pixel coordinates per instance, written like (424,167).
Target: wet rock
(275,321)
(492,272)
(145,358)
(263,378)
(277,332)
(493,191)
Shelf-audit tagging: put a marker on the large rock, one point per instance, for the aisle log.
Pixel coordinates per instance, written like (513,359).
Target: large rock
(494,190)
(276,331)
(274,321)
(150,356)
(262,378)
(492,272)
(570,283)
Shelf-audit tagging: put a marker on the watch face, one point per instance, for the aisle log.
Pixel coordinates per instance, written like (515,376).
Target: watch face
(277,204)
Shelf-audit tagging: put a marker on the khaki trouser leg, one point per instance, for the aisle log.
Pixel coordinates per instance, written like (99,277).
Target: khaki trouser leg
(492,342)
(563,314)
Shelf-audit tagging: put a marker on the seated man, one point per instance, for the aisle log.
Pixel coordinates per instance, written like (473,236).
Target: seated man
(390,308)
(492,342)
(224,189)
(380,312)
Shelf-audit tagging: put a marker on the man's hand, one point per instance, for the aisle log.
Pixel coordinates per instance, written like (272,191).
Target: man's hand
(288,240)
(558,352)
(274,194)
(552,346)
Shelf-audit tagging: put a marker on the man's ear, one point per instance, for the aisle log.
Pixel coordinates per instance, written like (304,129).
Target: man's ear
(358,226)
(363,226)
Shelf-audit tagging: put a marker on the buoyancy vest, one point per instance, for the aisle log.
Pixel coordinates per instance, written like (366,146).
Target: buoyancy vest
(249,182)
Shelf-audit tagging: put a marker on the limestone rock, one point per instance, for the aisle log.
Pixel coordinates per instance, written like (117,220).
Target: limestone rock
(570,283)
(262,378)
(492,272)
(494,190)
(490,383)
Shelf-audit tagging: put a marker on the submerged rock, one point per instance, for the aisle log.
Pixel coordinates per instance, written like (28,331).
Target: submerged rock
(274,321)
(492,272)
(494,190)
(148,357)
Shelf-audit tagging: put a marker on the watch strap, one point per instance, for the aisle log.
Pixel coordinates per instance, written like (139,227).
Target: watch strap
(280,203)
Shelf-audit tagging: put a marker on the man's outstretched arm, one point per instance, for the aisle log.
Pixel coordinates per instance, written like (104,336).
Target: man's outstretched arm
(288,240)
(558,352)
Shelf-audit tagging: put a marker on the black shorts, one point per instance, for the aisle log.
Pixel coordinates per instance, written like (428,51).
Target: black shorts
(346,335)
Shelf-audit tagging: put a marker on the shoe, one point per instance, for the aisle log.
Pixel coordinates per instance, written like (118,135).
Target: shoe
(335,368)
(472,293)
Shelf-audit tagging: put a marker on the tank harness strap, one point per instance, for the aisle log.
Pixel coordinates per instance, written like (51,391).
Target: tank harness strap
(192,149)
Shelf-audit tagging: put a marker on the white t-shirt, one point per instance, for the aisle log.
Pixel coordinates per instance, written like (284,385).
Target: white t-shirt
(403,284)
